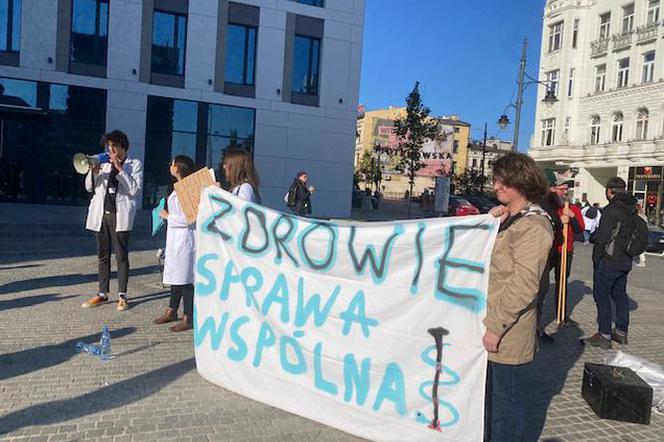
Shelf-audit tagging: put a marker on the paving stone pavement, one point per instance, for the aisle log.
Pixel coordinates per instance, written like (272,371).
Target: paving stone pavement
(151,390)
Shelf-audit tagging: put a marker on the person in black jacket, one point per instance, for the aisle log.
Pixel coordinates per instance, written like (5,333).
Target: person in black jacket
(303,193)
(611,266)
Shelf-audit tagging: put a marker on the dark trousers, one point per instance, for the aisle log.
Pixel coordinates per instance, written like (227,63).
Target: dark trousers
(553,264)
(185,292)
(506,402)
(107,237)
(610,284)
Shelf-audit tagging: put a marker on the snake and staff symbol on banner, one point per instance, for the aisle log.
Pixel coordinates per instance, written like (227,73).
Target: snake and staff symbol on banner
(437,334)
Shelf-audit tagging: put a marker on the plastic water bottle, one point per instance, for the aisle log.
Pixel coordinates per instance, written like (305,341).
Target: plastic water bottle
(105,345)
(90,349)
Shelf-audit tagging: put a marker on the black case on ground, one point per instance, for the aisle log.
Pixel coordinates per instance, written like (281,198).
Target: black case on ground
(616,393)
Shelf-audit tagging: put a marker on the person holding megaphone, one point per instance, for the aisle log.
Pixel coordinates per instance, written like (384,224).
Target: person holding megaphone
(115,184)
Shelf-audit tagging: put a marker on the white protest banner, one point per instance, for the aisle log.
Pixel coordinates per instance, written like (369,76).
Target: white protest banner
(344,324)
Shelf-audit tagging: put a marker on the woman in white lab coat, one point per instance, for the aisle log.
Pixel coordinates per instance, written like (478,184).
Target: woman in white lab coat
(180,253)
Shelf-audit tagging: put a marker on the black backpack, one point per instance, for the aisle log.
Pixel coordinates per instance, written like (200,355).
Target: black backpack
(635,235)
(292,196)
(591,213)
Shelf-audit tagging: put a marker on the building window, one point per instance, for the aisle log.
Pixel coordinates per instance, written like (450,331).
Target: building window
(319,3)
(43,128)
(455,146)
(240,55)
(628,18)
(228,127)
(648,67)
(600,78)
(201,131)
(552,81)
(306,61)
(555,36)
(617,127)
(10,25)
(457,130)
(548,131)
(570,83)
(604,25)
(653,11)
(623,72)
(595,126)
(89,32)
(169,32)
(171,131)
(575,33)
(642,124)
(474,163)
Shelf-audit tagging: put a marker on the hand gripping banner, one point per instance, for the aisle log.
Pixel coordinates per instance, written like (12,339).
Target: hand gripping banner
(372,328)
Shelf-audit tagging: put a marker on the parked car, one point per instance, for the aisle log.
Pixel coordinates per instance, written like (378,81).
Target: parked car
(655,239)
(483,203)
(461,207)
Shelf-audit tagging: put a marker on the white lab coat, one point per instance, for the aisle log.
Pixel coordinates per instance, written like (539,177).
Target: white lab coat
(180,246)
(246,192)
(130,183)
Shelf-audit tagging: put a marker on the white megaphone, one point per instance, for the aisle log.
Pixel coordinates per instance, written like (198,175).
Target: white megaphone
(83,162)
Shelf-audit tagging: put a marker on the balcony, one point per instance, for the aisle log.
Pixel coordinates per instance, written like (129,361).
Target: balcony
(648,33)
(622,41)
(599,47)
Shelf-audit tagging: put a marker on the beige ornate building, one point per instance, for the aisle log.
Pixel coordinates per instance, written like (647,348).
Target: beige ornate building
(376,128)
(605,61)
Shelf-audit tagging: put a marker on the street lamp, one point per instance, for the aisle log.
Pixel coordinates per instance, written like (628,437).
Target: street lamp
(549,99)
(503,121)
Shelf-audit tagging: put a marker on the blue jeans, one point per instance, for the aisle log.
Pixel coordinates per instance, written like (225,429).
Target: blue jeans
(586,235)
(506,402)
(610,284)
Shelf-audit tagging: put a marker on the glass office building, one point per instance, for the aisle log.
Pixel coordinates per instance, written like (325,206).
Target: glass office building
(42,125)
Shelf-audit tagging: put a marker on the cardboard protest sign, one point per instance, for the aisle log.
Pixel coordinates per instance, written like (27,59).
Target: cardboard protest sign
(189,191)
(356,325)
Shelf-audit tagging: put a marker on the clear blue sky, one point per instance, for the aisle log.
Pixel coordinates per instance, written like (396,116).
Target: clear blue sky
(465,54)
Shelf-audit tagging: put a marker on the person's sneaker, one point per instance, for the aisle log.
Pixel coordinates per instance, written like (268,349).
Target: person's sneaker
(94,302)
(619,336)
(122,304)
(597,340)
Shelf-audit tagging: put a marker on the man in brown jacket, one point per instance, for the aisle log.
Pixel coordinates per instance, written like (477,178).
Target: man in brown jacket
(519,257)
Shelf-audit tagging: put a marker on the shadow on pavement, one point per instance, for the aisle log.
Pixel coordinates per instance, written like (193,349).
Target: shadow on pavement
(548,374)
(67,280)
(553,362)
(147,298)
(112,396)
(136,350)
(24,266)
(576,290)
(27,361)
(29,301)
(15,250)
